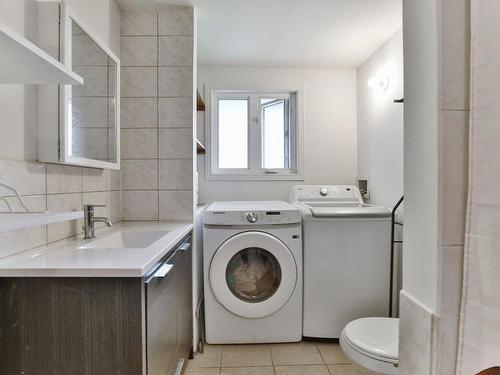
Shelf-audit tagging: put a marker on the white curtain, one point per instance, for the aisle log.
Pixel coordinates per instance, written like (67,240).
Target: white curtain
(479,340)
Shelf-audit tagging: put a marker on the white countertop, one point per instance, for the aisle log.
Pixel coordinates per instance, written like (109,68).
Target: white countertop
(66,260)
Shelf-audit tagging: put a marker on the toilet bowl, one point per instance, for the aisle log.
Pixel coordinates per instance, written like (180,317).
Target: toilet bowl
(372,345)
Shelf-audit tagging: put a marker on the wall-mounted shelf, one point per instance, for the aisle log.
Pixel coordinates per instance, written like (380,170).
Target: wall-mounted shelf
(200,148)
(22,220)
(22,62)
(200,104)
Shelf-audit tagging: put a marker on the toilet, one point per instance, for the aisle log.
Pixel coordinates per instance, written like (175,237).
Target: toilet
(372,345)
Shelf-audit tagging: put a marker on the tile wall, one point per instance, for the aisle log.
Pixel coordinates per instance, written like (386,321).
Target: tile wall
(157,114)
(56,188)
(429,339)
(453,147)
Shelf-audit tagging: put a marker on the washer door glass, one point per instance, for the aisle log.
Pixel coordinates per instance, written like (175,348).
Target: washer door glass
(253,274)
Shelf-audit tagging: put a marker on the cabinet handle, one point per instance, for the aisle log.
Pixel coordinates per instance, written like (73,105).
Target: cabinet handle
(180,366)
(161,272)
(184,246)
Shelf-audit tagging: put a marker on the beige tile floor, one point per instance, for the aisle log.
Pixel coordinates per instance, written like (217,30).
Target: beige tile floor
(304,358)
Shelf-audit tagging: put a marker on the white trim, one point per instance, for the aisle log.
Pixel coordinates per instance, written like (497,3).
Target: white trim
(68,15)
(236,174)
(22,62)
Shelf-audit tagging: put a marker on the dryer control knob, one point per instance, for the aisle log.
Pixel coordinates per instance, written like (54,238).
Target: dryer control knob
(323,192)
(252,217)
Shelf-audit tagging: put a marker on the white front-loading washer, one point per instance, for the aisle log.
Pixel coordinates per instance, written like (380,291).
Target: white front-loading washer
(347,257)
(252,272)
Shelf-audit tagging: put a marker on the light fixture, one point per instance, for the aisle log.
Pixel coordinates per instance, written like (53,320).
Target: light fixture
(380,82)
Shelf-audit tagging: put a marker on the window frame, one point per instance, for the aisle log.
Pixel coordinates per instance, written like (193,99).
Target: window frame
(255,171)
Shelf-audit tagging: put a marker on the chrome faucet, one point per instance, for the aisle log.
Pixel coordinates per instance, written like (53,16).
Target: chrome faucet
(89,219)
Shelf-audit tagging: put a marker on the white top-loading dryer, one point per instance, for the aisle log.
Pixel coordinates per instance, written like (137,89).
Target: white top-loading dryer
(347,256)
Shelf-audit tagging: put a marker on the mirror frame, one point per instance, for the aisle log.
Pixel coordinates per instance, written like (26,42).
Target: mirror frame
(65,92)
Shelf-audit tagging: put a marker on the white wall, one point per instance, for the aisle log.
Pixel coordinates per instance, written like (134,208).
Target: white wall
(329,127)
(420,151)
(18,102)
(380,123)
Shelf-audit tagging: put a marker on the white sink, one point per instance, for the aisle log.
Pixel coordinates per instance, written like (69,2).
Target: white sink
(126,239)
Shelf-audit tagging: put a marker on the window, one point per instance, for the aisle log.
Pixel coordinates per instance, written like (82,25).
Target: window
(254,135)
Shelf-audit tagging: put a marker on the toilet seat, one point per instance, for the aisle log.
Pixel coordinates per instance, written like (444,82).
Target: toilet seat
(372,344)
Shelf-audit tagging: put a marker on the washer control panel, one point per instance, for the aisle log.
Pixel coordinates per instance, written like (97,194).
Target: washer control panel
(266,217)
(251,213)
(252,217)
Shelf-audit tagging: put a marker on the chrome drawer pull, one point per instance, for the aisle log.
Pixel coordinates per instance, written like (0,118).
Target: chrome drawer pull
(162,271)
(184,246)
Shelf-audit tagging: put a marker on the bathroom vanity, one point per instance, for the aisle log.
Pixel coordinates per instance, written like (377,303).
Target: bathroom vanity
(119,304)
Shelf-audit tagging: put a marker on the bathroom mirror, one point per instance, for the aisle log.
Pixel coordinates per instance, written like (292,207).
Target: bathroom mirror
(88,115)
(91,107)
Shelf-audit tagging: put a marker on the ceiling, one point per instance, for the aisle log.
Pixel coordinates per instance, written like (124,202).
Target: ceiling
(289,33)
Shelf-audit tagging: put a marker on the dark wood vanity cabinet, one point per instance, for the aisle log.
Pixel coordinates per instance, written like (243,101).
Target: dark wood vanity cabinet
(99,326)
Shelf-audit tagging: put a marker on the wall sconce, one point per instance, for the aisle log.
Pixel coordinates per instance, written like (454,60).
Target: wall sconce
(381,82)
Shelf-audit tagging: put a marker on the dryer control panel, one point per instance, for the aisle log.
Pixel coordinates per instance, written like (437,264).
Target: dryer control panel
(326,193)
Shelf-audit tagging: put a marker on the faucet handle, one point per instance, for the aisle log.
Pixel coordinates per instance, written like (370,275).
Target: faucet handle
(90,206)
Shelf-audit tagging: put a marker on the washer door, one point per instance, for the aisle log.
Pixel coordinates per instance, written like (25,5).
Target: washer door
(253,274)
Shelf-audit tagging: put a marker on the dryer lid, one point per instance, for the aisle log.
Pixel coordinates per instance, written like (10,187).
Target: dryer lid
(358,211)
(376,336)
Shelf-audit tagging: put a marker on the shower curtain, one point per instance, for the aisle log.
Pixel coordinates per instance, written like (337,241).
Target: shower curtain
(479,336)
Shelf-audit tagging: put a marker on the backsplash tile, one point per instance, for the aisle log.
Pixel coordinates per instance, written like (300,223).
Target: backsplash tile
(69,188)
(176,143)
(138,143)
(175,82)
(140,205)
(175,21)
(95,179)
(63,179)
(138,51)
(25,177)
(175,112)
(64,202)
(35,203)
(157,135)
(20,240)
(138,81)
(139,113)
(176,51)
(115,180)
(176,174)
(138,22)
(115,206)
(176,205)
(140,174)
